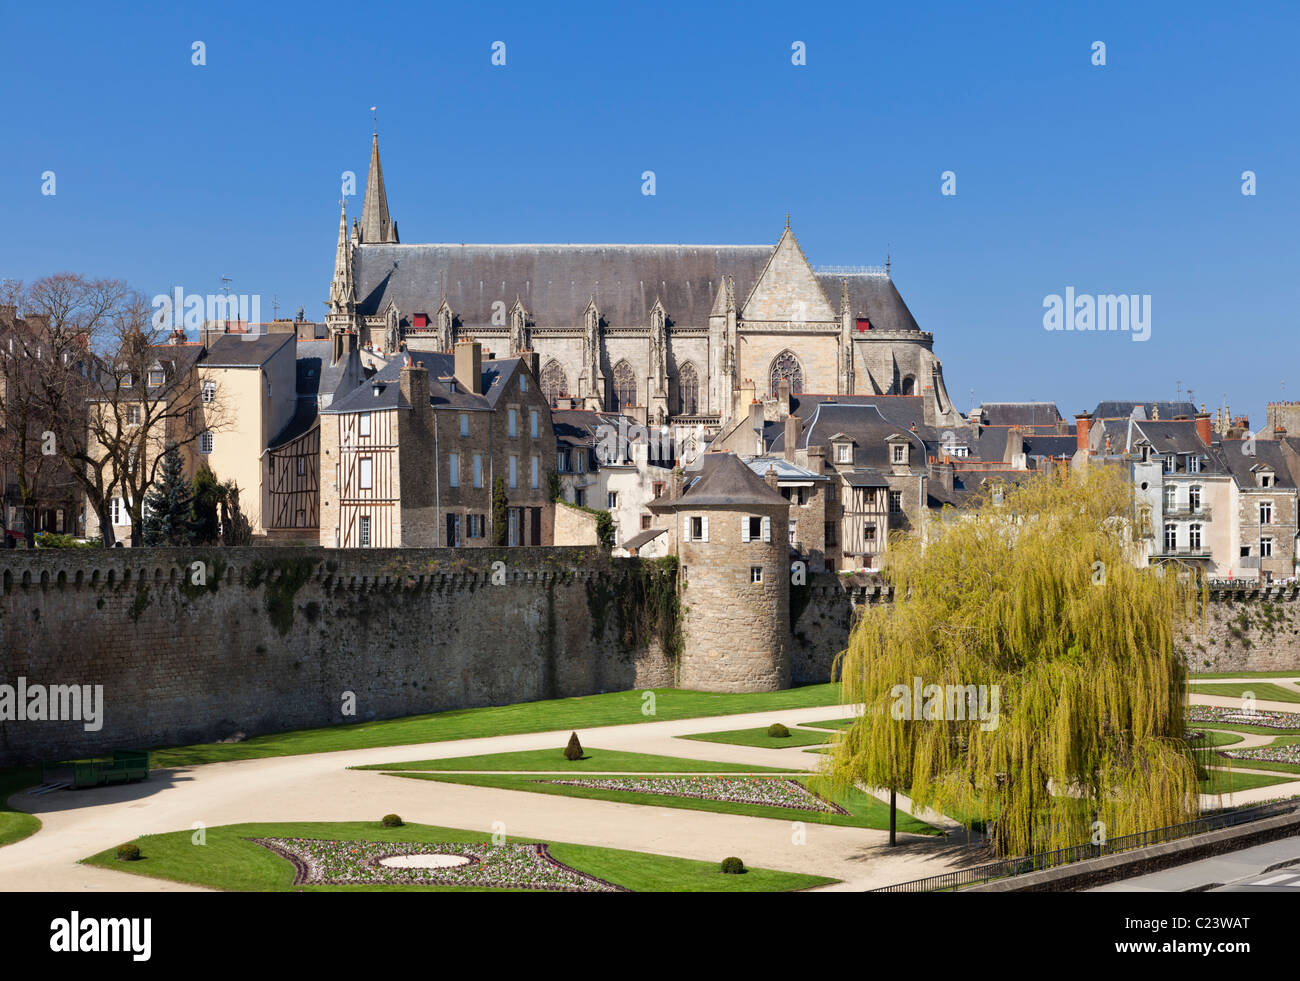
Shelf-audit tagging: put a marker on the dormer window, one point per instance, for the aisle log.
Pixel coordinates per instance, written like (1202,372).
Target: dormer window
(898,453)
(1265,479)
(1193,463)
(156,378)
(843,452)
(1170,466)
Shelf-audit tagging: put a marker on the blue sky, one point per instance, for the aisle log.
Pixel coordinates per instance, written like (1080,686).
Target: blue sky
(1124,178)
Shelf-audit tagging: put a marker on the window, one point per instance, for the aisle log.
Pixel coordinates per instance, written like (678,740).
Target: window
(624,386)
(794,526)
(1194,498)
(302,518)
(302,466)
(658,489)
(645,522)
(453,530)
(786,365)
(364,535)
(869,533)
(1171,537)
(205,443)
(1171,498)
(896,502)
(535,475)
(1169,463)
(1193,464)
(116,511)
(512,422)
(133,415)
(555,385)
(756,573)
(1194,537)
(697,528)
(189,418)
(366,478)
(363,424)
(209,391)
(453,469)
(843,453)
(580,497)
(533,424)
(1265,480)
(523,383)
(156,376)
(1266,548)
(464,423)
(478,470)
(899,453)
(1265,512)
(688,390)
(612,500)
(477,525)
(684,574)
(514,471)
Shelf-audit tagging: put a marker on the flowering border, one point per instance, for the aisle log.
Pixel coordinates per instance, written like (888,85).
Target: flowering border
(305,875)
(617,784)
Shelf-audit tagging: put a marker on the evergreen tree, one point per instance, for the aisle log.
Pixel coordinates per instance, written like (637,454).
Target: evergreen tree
(207,499)
(1034,591)
(168,519)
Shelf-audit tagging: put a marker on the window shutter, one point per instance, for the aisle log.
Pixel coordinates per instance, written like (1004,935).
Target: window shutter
(704,536)
(744,528)
(767,529)
(686,528)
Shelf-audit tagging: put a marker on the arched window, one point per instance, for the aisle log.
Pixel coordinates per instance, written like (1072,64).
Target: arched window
(624,386)
(555,384)
(786,365)
(909,385)
(688,391)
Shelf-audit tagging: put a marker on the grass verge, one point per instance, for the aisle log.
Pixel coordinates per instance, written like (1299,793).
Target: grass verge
(596,761)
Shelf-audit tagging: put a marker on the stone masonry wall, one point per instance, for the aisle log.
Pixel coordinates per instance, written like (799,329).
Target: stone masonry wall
(1247,628)
(278,635)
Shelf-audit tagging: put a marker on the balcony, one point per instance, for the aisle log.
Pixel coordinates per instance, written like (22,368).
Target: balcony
(1182,552)
(1185,513)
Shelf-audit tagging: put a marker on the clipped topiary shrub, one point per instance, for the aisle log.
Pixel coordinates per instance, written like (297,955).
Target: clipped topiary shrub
(573,751)
(128,853)
(733,866)
(778,730)
(391,821)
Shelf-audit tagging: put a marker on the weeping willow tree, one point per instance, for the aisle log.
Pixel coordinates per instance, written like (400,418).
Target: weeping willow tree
(1032,597)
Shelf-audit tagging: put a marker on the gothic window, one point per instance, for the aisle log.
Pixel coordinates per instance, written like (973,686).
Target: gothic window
(688,390)
(624,386)
(909,385)
(555,385)
(786,365)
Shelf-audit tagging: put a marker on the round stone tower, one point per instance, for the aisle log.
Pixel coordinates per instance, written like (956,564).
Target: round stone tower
(730,532)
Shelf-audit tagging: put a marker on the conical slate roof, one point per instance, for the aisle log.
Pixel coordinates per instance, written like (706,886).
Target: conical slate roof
(376,226)
(723,480)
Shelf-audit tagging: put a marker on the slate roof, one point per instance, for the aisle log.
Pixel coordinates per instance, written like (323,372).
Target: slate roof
(1171,437)
(316,377)
(865,423)
(1123,410)
(245,350)
(1020,414)
(785,470)
(722,480)
(1242,466)
(443,394)
(643,538)
(556,282)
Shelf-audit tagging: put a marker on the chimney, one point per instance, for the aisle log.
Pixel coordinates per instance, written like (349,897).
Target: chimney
(1203,429)
(783,397)
(469,366)
(415,387)
(770,477)
(533,360)
(675,490)
(745,396)
(1082,427)
(1015,445)
(793,431)
(942,473)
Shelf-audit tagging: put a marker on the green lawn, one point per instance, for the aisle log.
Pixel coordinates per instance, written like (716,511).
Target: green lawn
(1264,692)
(15,825)
(1287,675)
(228,861)
(830,724)
(1214,738)
(864,810)
(759,738)
(1226,781)
(586,712)
(596,760)
(1237,727)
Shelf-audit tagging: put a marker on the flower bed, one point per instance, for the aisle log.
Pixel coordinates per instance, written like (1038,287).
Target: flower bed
(1270,754)
(507,866)
(1214,713)
(763,791)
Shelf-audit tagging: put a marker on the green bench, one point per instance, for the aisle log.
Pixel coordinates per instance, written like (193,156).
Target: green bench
(125,766)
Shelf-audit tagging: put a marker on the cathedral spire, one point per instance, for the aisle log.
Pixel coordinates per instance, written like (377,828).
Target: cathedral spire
(376,226)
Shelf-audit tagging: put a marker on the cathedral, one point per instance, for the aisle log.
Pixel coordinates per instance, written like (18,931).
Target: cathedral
(668,334)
